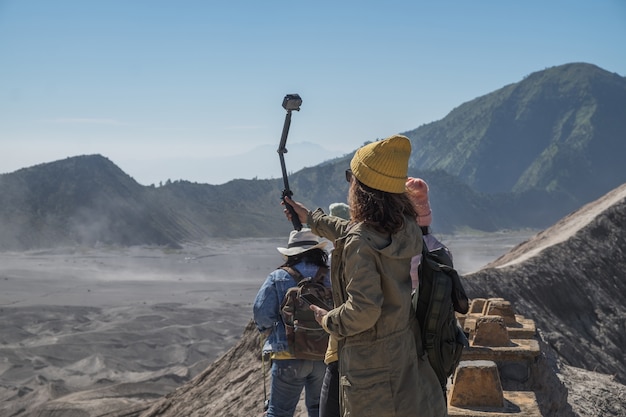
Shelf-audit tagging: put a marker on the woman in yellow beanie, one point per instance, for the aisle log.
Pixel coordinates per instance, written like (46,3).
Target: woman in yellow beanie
(371,284)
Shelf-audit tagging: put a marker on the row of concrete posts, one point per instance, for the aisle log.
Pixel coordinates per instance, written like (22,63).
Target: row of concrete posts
(494,377)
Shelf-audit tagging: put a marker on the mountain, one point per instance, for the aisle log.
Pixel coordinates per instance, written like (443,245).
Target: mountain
(560,130)
(520,157)
(88,200)
(76,200)
(84,200)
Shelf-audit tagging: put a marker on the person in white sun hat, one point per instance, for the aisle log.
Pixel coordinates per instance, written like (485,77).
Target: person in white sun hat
(306,254)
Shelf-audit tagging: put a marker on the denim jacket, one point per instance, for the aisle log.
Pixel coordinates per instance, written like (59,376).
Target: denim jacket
(266,307)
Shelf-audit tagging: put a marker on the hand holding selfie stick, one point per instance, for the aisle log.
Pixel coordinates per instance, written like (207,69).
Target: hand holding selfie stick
(290,102)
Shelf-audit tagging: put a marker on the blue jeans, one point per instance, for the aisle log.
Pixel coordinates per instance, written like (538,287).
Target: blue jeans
(289,376)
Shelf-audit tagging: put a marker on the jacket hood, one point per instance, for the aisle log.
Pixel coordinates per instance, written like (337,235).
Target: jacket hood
(404,244)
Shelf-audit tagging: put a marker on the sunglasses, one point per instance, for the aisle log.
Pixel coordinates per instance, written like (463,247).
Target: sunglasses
(349,175)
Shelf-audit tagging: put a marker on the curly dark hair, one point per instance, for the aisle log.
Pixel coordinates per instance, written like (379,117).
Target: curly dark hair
(315,256)
(386,212)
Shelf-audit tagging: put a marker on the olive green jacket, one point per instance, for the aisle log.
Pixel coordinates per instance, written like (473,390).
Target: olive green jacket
(371,284)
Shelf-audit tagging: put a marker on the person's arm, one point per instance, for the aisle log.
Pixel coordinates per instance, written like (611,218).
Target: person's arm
(265,307)
(330,227)
(321,224)
(364,302)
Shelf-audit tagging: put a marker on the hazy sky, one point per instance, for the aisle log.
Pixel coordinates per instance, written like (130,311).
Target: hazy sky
(160,86)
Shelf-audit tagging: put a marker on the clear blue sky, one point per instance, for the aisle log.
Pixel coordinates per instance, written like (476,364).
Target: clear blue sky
(146,82)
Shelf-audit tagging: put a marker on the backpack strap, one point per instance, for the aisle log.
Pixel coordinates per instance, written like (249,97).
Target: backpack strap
(318,278)
(436,310)
(437,299)
(294,273)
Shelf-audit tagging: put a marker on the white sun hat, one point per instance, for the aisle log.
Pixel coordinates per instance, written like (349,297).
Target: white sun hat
(302,241)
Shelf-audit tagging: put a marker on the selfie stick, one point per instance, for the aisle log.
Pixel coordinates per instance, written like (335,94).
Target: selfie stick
(290,102)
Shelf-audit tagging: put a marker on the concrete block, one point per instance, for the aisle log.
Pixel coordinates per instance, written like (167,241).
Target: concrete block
(477,305)
(487,302)
(477,383)
(477,392)
(490,331)
(501,308)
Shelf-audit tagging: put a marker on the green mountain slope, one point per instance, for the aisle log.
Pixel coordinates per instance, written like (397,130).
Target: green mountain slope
(562,129)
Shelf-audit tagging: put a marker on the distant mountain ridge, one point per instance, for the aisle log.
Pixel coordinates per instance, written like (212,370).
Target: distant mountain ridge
(244,165)
(88,200)
(520,157)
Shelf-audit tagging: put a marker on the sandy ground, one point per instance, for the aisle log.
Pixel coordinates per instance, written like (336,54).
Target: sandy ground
(77,319)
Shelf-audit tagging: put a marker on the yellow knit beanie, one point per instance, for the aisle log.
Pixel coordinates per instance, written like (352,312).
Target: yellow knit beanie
(383,165)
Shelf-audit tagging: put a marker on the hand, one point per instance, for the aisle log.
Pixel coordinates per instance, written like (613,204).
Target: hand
(319,313)
(299,208)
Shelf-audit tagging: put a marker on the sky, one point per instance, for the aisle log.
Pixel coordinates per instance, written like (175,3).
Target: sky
(192,90)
